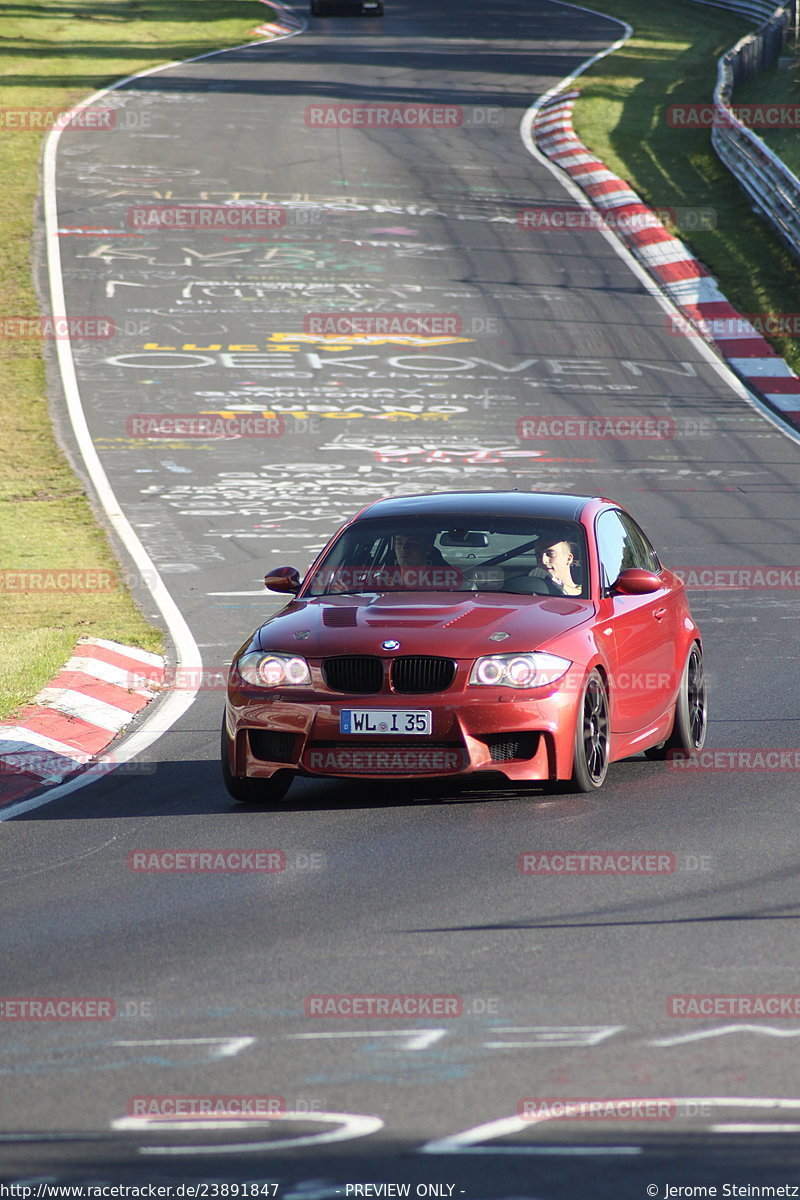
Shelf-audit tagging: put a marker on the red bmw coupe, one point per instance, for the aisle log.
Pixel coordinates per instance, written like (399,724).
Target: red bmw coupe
(533,636)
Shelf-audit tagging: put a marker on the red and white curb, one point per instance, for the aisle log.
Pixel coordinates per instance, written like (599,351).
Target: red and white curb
(289,23)
(95,695)
(681,276)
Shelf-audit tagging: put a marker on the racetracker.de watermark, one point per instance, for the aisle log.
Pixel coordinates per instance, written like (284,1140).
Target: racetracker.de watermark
(221,861)
(83,580)
(562,1108)
(564,864)
(58,579)
(402,116)
(598,862)
(182,679)
(742,325)
(345,324)
(84,120)
(710,1004)
(394,1005)
(385,760)
(186,1108)
(64,329)
(738,578)
(750,758)
(705,115)
(204,425)
(48,764)
(352,579)
(57,1008)
(636,218)
(211,217)
(610,428)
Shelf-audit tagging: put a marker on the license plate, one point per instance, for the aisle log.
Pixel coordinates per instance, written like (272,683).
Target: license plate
(385,720)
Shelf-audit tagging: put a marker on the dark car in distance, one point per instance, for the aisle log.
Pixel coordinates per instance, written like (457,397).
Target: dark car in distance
(347,8)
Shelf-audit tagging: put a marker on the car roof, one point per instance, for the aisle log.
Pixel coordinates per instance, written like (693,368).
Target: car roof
(468,504)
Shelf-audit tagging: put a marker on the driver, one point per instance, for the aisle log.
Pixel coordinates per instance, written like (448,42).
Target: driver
(417,549)
(407,550)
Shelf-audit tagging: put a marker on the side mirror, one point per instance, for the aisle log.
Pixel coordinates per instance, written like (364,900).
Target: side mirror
(635,581)
(283,579)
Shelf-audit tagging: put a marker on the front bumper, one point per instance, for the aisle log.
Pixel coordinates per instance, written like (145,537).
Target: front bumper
(525,735)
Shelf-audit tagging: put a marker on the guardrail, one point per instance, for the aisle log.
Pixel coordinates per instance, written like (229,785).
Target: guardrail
(758,10)
(773,188)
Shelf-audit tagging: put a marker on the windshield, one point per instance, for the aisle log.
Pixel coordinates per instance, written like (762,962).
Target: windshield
(522,556)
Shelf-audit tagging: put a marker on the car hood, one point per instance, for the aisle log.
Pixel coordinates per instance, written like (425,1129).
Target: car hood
(423,623)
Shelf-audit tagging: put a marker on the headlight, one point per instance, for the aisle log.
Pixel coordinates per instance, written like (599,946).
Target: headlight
(518,670)
(265,669)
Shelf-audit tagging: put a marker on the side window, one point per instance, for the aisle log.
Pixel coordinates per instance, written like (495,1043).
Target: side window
(615,547)
(645,554)
(610,547)
(362,552)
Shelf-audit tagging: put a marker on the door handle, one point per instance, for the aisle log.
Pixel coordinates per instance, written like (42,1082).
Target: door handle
(660,613)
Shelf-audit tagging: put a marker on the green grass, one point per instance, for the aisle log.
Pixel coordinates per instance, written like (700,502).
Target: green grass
(621,115)
(53,54)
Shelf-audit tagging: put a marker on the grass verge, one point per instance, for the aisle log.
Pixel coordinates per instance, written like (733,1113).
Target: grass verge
(51,56)
(671,59)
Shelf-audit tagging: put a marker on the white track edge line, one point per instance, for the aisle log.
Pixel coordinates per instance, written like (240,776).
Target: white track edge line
(175,703)
(526,133)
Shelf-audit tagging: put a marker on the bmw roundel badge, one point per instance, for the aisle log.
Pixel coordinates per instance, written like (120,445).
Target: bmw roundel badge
(391,644)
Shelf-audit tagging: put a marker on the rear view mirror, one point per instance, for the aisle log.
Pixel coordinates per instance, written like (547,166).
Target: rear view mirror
(635,581)
(464,539)
(283,579)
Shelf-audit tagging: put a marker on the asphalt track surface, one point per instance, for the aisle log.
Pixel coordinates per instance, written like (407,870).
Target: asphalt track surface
(402,890)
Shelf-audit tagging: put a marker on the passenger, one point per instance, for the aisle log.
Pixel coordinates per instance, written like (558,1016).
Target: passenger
(556,561)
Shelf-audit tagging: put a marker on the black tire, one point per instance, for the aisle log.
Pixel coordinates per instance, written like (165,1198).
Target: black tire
(251,791)
(591,737)
(691,712)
